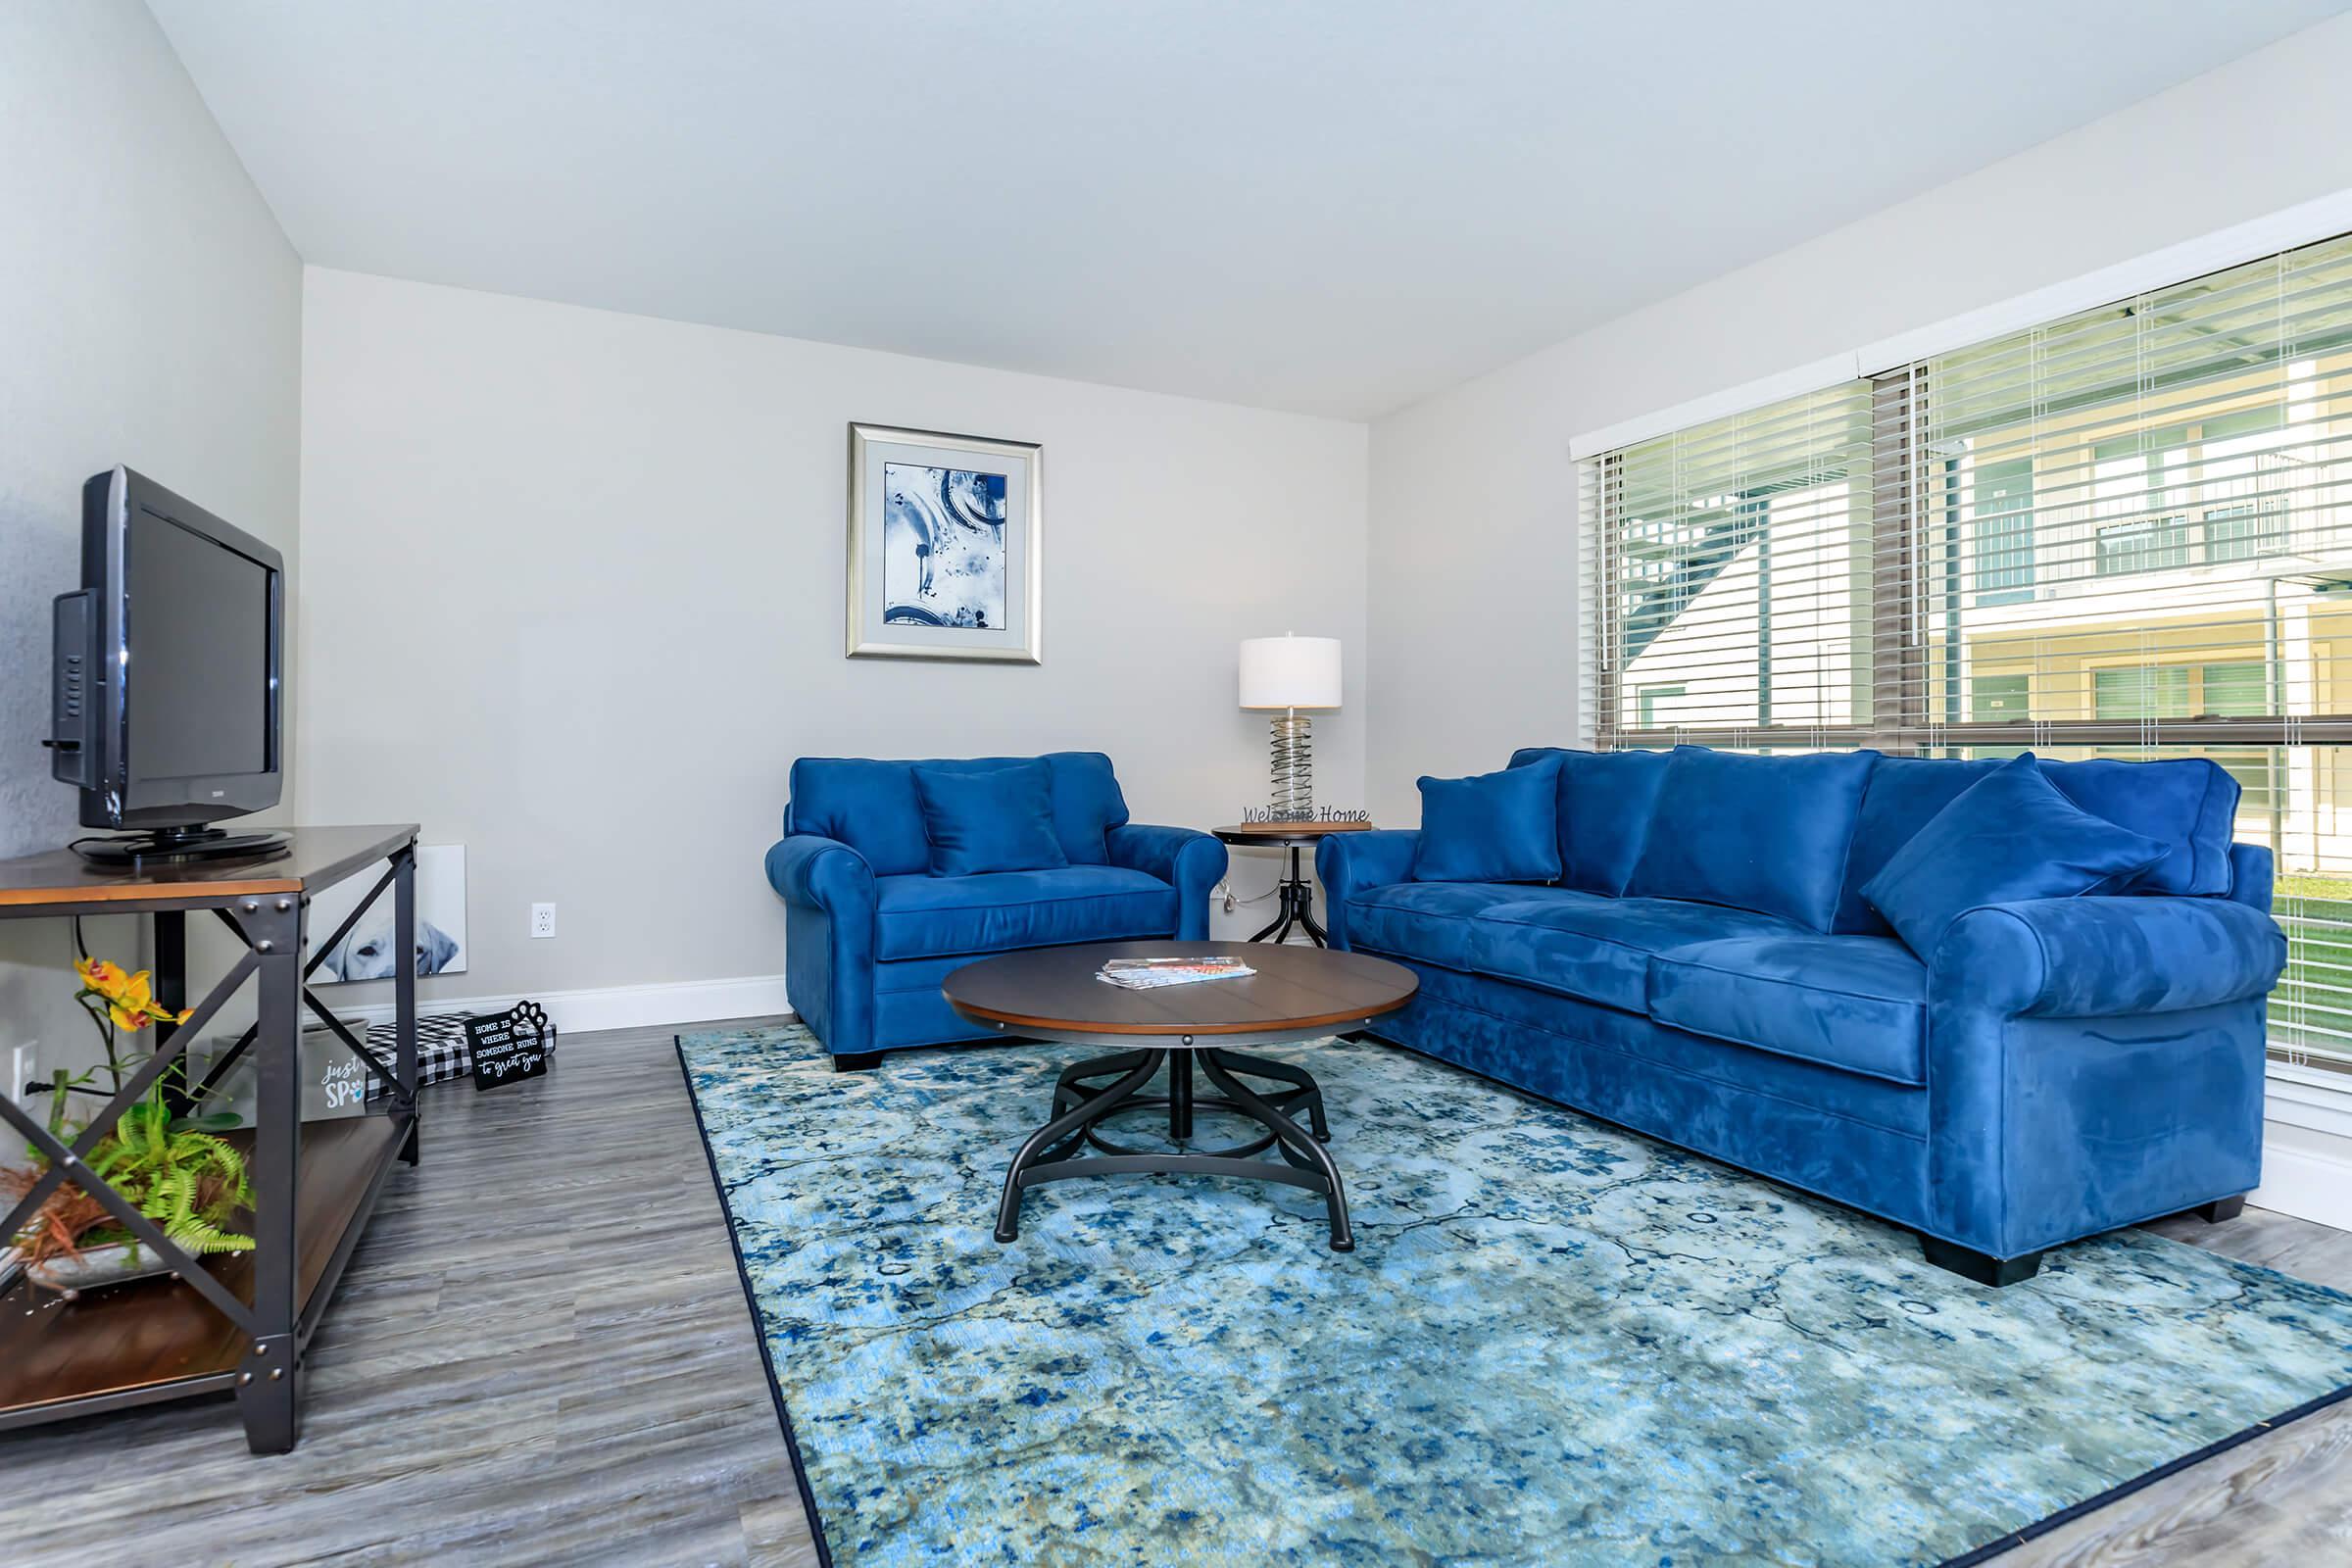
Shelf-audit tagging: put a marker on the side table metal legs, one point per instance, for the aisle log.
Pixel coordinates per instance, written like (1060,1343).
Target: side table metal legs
(1297,907)
(1082,1101)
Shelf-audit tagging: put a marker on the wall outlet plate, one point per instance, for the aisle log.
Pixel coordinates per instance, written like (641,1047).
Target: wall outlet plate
(543,920)
(24,1066)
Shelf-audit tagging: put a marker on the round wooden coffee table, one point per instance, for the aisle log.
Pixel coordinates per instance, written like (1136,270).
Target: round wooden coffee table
(1296,994)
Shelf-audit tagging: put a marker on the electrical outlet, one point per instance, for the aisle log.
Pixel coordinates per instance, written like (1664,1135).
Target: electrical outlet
(543,920)
(24,1066)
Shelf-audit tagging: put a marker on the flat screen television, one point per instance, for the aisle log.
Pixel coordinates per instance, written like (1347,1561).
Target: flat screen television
(169,660)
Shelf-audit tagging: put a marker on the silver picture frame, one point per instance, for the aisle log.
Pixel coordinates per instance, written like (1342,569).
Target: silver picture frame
(996,485)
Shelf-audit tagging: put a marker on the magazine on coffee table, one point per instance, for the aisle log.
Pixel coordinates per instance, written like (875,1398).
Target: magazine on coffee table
(1150,974)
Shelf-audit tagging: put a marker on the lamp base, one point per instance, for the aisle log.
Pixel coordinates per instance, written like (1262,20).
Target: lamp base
(1294,798)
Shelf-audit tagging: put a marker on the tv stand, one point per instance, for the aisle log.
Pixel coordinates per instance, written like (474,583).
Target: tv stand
(235,1323)
(167,846)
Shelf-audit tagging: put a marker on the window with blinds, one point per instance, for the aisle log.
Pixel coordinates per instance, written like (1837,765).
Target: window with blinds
(1736,559)
(2127,533)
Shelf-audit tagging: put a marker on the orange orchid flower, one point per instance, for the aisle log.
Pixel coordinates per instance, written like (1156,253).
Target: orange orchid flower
(129,998)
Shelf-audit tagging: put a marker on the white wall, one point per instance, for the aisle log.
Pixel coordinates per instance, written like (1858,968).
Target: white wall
(1473,603)
(150,313)
(572,589)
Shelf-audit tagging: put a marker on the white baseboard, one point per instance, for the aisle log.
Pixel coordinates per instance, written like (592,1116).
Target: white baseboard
(2308,1182)
(618,1007)
(2307,1146)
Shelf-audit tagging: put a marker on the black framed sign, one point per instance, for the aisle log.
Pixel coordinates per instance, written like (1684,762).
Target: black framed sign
(511,1045)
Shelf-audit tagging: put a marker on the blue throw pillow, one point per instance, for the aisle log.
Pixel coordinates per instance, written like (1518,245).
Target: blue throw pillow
(2008,837)
(1000,820)
(1496,827)
(1606,801)
(1762,833)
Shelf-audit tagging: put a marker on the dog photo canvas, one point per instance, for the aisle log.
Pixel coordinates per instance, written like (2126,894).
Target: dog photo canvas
(367,954)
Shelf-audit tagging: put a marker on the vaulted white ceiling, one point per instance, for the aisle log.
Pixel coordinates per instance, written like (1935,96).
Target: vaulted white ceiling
(1333,206)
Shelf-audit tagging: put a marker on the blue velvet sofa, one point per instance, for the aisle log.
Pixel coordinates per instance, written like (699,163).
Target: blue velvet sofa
(869,932)
(2054,1068)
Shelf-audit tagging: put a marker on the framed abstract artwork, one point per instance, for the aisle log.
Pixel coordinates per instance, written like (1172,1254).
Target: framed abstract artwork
(944,546)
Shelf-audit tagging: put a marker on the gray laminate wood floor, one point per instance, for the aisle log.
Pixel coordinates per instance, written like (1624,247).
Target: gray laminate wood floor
(539,1355)
(506,1379)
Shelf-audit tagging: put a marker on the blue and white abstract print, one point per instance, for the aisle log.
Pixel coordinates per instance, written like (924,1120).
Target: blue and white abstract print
(943,547)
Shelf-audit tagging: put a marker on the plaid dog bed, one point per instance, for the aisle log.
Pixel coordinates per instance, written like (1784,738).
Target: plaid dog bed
(442,1050)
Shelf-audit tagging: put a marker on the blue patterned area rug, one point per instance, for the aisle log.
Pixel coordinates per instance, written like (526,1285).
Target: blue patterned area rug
(1557,1343)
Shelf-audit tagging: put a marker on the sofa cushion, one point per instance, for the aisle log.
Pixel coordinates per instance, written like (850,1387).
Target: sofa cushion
(1856,1002)
(998,821)
(871,805)
(1606,798)
(922,917)
(2009,837)
(2189,803)
(1428,922)
(1595,948)
(1492,827)
(1766,834)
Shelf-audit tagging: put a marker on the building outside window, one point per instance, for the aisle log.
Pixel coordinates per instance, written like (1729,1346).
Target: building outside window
(2003,503)
(2242,532)
(1649,698)
(2145,544)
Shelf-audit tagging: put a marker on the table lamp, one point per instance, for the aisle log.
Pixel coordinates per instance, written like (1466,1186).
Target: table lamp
(1286,673)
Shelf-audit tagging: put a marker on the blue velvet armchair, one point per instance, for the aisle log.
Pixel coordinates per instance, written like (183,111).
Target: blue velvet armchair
(869,931)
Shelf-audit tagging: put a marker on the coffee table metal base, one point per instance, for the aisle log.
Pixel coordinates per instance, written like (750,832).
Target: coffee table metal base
(1091,1092)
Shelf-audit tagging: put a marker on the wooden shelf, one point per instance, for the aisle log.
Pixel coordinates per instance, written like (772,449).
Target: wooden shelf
(60,881)
(159,1338)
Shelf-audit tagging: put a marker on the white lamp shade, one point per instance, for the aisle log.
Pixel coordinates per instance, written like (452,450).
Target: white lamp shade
(1290,672)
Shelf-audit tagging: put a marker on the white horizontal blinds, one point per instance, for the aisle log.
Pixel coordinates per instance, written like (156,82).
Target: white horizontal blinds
(2128,533)
(2138,515)
(1733,590)
(1595,647)
(2310,1012)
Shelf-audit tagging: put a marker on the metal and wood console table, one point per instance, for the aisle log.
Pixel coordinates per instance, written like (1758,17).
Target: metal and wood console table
(236,1322)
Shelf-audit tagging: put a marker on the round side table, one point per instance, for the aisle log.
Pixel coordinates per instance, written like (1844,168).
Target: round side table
(1297,894)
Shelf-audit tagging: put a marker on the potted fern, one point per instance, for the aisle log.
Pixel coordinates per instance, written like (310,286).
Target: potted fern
(176,1170)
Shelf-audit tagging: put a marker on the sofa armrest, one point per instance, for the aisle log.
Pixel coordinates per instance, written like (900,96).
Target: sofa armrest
(2106,958)
(828,894)
(1346,863)
(2251,873)
(822,873)
(1190,861)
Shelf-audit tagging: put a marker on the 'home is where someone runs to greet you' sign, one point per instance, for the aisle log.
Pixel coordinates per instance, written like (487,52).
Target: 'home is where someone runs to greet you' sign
(511,1045)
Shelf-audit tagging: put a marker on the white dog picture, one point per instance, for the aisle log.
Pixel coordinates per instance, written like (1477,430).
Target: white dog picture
(367,953)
